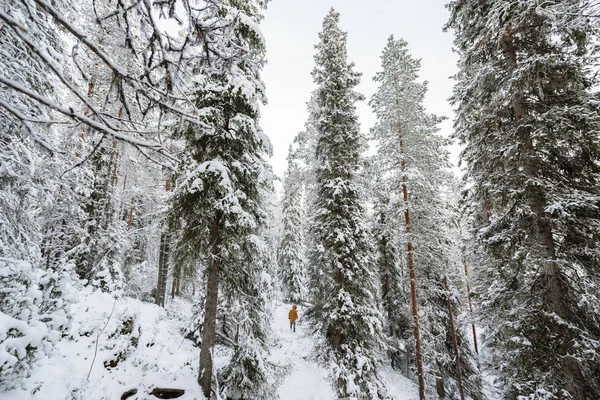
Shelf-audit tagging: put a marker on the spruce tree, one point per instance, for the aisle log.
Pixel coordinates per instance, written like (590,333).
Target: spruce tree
(292,262)
(413,162)
(344,312)
(395,299)
(221,197)
(529,122)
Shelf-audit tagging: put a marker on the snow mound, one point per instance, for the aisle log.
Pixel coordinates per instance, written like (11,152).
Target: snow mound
(122,344)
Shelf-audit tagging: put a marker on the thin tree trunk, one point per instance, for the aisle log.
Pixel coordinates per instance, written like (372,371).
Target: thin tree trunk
(122,196)
(108,186)
(385,289)
(210,310)
(130,219)
(388,303)
(554,296)
(163,270)
(163,259)
(176,284)
(158,296)
(90,92)
(464,261)
(413,284)
(454,342)
(86,112)
(114,178)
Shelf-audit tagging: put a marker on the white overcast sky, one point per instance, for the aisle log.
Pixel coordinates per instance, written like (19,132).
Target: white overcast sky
(291,30)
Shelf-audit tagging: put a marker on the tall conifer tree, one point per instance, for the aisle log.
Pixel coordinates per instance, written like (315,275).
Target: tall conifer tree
(413,163)
(395,299)
(221,198)
(530,124)
(342,274)
(292,263)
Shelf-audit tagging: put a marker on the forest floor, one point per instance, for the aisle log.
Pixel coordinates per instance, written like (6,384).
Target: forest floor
(114,346)
(307,380)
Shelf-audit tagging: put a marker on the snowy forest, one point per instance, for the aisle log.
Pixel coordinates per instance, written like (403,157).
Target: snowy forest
(149,251)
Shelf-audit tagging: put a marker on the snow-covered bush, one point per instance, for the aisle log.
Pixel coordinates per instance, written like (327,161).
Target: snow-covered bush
(33,316)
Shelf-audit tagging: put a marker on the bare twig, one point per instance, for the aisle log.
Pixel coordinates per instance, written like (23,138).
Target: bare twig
(97,339)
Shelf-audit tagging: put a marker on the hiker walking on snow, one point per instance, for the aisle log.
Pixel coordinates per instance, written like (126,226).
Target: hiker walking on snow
(293,316)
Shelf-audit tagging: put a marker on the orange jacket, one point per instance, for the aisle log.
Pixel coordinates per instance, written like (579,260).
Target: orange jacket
(293,315)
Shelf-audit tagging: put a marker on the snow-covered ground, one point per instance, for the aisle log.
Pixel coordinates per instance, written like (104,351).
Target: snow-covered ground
(129,344)
(307,380)
(141,340)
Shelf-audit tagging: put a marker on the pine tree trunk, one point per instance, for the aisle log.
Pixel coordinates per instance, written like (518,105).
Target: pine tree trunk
(91,87)
(336,337)
(114,177)
(555,292)
(130,219)
(158,295)
(388,304)
(454,342)
(109,186)
(464,261)
(413,284)
(176,284)
(122,198)
(163,270)
(163,260)
(210,311)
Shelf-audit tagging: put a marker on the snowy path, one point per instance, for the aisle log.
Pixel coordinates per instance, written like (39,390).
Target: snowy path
(306,380)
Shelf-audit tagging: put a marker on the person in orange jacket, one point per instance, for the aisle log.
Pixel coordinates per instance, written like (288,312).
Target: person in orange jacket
(293,316)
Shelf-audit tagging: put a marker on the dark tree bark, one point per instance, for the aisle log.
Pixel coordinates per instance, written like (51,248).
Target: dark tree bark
(163,258)
(210,310)
(176,285)
(130,218)
(163,270)
(413,285)
(464,261)
(555,292)
(454,342)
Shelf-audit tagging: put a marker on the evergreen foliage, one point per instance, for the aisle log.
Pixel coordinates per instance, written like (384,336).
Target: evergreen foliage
(342,275)
(291,249)
(529,122)
(411,152)
(395,300)
(33,316)
(131,156)
(222,195)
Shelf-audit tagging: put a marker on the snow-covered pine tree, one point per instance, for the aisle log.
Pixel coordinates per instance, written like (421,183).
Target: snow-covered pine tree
(530,124)
(221,196)
(304,147)
(344,311)
(412,159)
(271,282)
(395,299)
(250,375)
(33,303)
(291,256)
